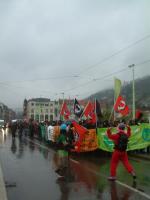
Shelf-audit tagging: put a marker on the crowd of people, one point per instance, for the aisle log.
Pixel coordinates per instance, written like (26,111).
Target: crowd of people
(60,135)
(49,131)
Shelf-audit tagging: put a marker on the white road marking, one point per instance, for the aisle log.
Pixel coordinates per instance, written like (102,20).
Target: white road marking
(120,183)
(3,193)
(134,189)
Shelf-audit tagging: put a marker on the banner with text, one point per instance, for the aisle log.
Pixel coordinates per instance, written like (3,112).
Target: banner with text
(90,142)
(140,138)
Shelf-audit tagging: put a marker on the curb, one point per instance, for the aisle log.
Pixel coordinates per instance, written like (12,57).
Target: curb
(3,194)
(140,156)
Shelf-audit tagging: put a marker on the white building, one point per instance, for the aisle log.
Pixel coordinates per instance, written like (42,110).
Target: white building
(41,109)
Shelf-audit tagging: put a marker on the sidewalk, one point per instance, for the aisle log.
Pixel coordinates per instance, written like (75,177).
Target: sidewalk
(3,194)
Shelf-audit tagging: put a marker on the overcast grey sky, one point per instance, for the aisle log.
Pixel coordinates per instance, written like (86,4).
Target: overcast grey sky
(53,46)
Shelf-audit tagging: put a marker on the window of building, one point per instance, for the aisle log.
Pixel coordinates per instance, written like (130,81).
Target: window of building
(46,117)
(46,110)
(46,104)
(41,117)
(37,117)
(51,117)
(32,116)
(32,110)
(56,112)
(32,104)
(51,105)
(51,110)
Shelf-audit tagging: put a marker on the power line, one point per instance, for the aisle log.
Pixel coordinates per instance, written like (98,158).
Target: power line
(85,70)
(83,84)
(41,79)
(21,87)
(114,54)
(108,75)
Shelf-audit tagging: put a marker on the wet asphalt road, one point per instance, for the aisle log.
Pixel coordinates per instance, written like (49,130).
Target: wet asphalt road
(31,166)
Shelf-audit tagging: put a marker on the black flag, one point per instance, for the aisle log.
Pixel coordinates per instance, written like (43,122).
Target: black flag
(77,108)
(98,109)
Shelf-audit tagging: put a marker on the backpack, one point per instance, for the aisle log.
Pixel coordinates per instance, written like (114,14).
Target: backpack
(122,142)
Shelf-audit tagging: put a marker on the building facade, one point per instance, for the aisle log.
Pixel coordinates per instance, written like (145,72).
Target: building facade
(41,109)
(6,113)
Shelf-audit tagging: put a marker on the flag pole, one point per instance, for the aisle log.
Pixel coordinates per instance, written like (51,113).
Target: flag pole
(95,114)
(62,105)
(133,91)
(117,89)
(112,111)
(115,97)
(84,110)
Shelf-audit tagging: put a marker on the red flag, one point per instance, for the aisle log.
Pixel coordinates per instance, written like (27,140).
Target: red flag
(89,113)
(139,114)
(121,106)
(88,109)
(79,132)
(91,118)
(64,111)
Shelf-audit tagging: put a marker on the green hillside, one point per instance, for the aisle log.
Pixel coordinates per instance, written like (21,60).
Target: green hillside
(142,94)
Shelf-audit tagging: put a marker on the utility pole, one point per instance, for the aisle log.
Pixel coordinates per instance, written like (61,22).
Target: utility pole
(63,94)
(133,91)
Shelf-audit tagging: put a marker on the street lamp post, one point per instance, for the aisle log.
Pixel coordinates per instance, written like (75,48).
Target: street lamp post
(133,91)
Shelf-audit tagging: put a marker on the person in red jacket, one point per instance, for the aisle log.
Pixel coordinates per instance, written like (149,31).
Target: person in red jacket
(120,153)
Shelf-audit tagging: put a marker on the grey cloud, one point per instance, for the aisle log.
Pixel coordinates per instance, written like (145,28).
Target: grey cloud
(42,39)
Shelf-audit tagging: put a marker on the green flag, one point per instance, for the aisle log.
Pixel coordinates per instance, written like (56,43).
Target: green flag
(117,88)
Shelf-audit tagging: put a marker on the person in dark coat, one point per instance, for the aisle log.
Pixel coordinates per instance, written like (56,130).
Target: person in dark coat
(13,128)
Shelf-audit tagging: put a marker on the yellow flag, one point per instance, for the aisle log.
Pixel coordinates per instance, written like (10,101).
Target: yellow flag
(117,88)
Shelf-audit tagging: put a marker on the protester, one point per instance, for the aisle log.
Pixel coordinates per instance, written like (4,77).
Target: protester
(20,129)
(13,128)
(42,130)
(50,132)
(120,141)
(25,128)
(63,149)
(70,135)
(31,128)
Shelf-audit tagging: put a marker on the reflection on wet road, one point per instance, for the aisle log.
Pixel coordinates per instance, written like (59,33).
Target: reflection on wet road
(32,165)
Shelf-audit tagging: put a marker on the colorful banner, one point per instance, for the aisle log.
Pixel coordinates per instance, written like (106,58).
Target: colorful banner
(56,132)
(90,142)
(140,138)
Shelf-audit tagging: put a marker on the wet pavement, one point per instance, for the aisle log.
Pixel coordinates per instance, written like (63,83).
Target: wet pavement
(29,171)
